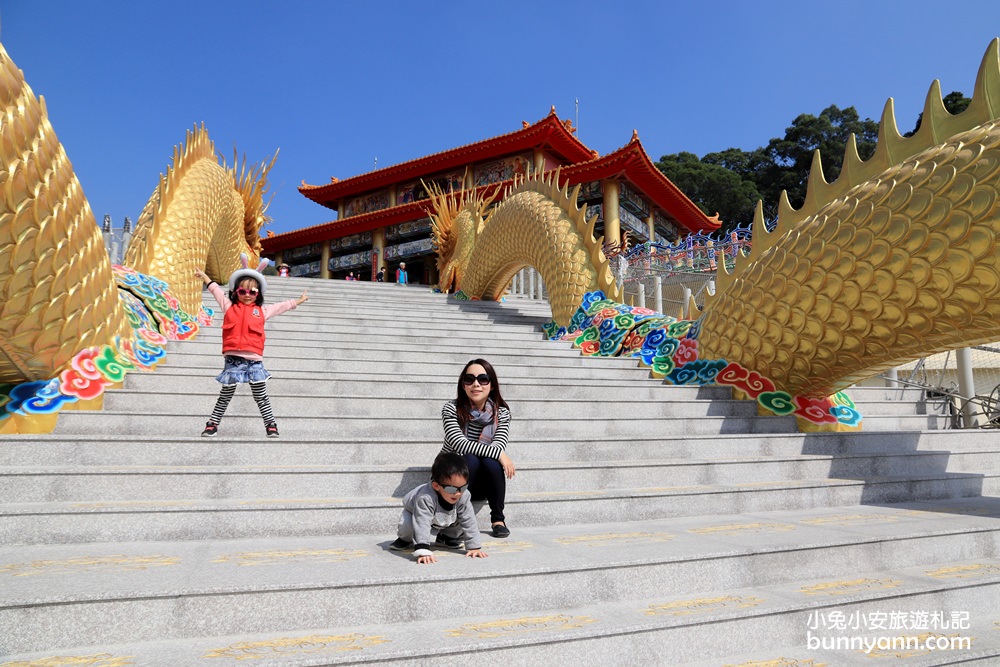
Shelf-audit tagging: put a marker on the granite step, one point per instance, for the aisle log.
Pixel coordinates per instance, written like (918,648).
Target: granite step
(29,484)
(200,519)
(922,556)
(124,449)
(391,427)
(204,392)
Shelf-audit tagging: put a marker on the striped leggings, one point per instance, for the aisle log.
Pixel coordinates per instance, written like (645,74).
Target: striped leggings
(259,390)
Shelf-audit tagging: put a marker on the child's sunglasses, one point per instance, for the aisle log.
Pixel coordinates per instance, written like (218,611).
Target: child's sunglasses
(469,378)
(454,489)
(242,291)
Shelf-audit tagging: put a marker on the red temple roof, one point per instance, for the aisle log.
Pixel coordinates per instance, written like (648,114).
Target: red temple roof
(549,132)
(630,163)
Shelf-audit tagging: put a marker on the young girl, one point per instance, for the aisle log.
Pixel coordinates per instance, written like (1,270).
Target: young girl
(243,341)
(476,425)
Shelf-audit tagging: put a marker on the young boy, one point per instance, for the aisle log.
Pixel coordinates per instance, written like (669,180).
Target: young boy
(442,509)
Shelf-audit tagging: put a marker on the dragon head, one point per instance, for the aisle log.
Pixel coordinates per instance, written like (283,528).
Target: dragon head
(456,221)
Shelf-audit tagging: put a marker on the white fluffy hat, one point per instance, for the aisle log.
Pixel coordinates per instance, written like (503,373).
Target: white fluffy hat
(247,272)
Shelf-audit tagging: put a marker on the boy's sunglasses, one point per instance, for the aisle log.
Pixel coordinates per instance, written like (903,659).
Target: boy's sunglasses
(242,291)
(469,378)
(454,489)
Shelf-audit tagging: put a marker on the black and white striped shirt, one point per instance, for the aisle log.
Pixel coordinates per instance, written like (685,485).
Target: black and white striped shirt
(458,442)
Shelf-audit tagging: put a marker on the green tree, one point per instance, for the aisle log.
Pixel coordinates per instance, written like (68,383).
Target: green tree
(791,156)
(730,182)
(714,188)
(955,102)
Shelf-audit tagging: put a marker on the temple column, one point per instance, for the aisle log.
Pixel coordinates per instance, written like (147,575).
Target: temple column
(324,260)
(612,223)
(538,160)
(378,246)
(651,227)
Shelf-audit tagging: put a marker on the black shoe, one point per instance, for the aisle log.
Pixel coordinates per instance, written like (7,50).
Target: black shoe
(446,542)
(211,430)
(500,530)
(401,545)
(271,429)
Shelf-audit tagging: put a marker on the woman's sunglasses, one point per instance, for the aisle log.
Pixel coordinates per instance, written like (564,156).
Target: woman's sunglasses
(469,378)
(242,291)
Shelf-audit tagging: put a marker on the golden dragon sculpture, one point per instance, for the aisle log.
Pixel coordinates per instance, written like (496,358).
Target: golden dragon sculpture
(537,224)
(896,259)
(60,297)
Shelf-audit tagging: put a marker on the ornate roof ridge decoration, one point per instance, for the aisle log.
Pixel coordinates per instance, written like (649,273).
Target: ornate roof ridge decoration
(550,127)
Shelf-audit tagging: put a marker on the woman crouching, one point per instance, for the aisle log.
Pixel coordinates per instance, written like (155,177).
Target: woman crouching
(476,424)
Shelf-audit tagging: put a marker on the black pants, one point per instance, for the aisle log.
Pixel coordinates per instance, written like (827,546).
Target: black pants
(487,481)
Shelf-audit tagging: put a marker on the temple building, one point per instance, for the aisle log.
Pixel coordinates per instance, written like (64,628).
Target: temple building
(382,216)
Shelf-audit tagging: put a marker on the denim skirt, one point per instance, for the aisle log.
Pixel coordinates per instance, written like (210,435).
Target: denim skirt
(241,371)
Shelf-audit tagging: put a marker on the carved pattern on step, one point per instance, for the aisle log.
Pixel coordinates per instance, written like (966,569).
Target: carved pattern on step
(849,587)
(969,571)
(614,539)
(283,646)
(254,558)
(520,626)
(702,605)
(850,519)
(115,563)
(96,660)
(738,528)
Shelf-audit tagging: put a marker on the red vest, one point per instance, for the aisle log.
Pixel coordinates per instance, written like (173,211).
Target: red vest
(243,329)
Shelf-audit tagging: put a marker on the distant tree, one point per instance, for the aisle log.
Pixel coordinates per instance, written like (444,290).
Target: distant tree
(791,156)
(712,187)
(731,181)
(955,102)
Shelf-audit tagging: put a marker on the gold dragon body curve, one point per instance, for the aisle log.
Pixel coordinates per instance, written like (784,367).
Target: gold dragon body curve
(539,225)
(57,292)
(896,259)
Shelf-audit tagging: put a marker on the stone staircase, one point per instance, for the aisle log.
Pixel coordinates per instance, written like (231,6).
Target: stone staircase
(650,524)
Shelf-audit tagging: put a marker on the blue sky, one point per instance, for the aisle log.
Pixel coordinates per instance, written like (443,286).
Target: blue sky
(336,84)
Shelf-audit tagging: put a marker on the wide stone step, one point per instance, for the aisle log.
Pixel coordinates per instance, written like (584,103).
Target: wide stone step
(124,449)
(303,325)
(390,427)
(27,484)
(665,629)
(200,394)
(178,591)
(322,368)
(192,519)
(351,337)
(514,389)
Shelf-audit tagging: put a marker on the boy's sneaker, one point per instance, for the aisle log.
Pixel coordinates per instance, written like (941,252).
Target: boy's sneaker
(401,545)
(272,429)
(446,542)
(211,430)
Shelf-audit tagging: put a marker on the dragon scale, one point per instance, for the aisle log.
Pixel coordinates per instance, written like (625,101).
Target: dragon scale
(57,294)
